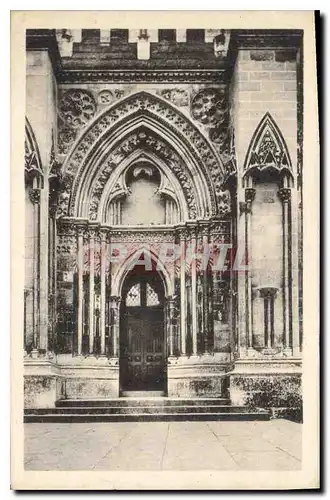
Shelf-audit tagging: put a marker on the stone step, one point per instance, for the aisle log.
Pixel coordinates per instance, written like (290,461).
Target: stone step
(141,417)
(136,402)
(134,410)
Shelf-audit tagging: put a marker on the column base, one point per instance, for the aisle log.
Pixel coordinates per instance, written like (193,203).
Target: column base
(34,354)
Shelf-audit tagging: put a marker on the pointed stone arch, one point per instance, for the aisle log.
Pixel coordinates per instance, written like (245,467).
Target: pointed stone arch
(198,160)
(128,264)
(268,150)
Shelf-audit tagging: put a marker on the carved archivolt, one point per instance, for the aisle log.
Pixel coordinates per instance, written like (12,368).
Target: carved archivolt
(267,149)
(145,142)
(105,133)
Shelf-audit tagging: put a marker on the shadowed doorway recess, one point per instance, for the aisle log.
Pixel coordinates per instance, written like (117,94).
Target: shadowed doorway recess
(142,343)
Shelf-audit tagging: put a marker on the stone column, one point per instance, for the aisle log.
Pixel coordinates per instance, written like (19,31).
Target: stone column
(285,196)
(34,194)
(91,288)
(170,319)
(249,197)
(193,289)
(183,323)
(206,270)
(80,265)
(268,294)
(103,289)
(115,326)
(43,227)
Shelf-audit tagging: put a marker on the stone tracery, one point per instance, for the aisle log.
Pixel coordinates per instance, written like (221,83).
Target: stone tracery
(268,149)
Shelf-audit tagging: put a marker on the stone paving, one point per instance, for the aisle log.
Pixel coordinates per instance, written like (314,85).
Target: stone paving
(218,445)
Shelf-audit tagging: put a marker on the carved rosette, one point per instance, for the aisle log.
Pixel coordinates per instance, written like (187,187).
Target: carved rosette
(76,108)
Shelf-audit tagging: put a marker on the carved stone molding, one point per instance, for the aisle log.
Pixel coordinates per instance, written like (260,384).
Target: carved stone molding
(267,149)
(155,76)
(137,236)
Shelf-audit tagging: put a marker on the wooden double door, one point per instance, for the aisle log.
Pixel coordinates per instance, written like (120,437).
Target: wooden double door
(142,346)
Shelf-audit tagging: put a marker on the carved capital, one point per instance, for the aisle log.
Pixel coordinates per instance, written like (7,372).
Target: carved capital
(204,228)
(284,195)
(268,292)
(81,229)
(34,195)
(93,231)
(115,301)
(245,206)
(181,233)
(250,195)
